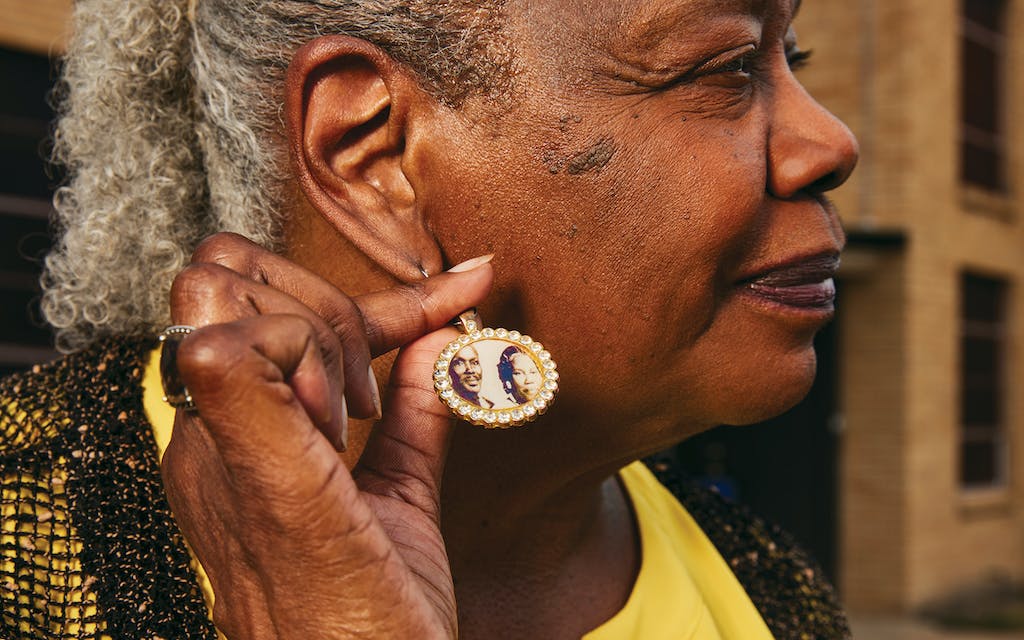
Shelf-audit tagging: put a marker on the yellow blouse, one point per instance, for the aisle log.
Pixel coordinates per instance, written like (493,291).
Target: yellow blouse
(684,590)
(161,417)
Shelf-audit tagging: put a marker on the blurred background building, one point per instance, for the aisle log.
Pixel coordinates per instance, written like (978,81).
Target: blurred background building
(904,469)
(929,344)
(29,32)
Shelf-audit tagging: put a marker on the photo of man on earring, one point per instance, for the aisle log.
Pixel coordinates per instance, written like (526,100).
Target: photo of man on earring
(467,377)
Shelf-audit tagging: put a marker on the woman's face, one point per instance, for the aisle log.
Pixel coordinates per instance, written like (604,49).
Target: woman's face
(653,192)
(525,377)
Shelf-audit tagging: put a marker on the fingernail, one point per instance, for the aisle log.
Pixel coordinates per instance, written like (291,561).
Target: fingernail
(375,390)
(471,264)
(342,444)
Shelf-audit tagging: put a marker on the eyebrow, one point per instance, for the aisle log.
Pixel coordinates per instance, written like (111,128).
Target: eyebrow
(644,22)
(647,41)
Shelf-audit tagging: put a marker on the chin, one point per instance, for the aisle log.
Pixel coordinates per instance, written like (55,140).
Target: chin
(777,389)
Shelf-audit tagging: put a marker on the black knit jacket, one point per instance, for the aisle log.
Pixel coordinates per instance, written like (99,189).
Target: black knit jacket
(88,547)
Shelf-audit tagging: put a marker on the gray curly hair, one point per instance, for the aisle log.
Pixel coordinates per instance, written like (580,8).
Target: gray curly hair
(170,130)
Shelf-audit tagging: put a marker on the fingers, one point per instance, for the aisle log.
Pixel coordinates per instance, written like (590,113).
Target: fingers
(272,513)
(351,331)
(231,277)
(391,318)
(209,294)
(261,388)
(255,487)
(406,453)
(398,316)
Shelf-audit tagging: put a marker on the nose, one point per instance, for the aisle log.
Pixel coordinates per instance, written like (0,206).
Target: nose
(809,149)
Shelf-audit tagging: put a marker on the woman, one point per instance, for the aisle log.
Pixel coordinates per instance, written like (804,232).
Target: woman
(649,177)
(519,375)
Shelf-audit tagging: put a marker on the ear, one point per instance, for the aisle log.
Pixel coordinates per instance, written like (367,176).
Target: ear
(347,106)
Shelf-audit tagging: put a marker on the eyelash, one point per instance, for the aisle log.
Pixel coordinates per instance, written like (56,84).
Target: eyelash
(799,59)
(796,60)
(736,65)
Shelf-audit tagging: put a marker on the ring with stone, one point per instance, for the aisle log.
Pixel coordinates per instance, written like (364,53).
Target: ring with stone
(175,393)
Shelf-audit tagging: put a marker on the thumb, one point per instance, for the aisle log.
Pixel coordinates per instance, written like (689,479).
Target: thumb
(406,452)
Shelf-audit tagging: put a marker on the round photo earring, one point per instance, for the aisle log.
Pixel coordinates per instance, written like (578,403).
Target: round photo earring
(494,378)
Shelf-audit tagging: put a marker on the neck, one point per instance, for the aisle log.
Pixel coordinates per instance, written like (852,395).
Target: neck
(530,536)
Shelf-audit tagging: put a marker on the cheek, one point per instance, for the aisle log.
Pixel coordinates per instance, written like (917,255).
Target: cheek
(620,266)
(656,237)
(639,261)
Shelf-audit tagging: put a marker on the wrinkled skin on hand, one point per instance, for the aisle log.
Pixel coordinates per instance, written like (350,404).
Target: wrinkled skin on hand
(296,545)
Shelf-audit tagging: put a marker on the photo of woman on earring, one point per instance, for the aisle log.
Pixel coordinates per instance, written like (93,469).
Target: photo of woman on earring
(519,375)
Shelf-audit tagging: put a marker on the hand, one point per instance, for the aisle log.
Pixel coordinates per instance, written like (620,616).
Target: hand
(294,544)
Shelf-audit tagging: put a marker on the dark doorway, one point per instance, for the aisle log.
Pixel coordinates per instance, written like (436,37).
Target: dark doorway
(785,469)
(26,185)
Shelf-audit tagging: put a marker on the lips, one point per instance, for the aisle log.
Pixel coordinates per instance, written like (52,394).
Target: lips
(806,283)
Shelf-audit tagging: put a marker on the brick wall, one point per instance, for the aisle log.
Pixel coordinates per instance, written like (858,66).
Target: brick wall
(890,68)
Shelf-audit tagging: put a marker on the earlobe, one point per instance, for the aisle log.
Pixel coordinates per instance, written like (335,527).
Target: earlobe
(346,106)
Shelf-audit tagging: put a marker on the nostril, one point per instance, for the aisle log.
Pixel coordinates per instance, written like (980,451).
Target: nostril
(840,173)
(809,154)
(826,183)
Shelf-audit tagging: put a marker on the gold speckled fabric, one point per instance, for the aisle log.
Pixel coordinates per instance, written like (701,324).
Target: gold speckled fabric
(784,583)
(88,548)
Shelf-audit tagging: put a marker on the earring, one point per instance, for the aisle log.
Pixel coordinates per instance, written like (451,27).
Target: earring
(494,378)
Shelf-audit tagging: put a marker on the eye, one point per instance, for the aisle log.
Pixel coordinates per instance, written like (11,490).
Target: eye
(797,58)
(739,65)
(731,70)
(738,61)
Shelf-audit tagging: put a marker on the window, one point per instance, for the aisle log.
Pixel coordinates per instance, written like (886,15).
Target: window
(983,346)
(24,208)
(982,51)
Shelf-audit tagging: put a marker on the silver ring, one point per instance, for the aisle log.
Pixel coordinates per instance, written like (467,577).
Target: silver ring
(175,393)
